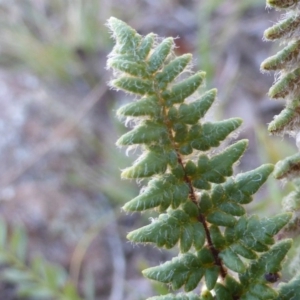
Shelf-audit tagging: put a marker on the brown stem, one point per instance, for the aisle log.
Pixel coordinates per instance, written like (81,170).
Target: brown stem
(202,219)
(192,195)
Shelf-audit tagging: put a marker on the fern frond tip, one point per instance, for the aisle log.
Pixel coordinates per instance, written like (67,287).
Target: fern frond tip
(126,37)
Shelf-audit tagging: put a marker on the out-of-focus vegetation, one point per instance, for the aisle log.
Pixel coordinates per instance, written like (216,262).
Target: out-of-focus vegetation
(59,166)
(52,38)
(38,279)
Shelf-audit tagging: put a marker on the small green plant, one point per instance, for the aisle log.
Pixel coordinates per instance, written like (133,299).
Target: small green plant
(36,279)
(223,251)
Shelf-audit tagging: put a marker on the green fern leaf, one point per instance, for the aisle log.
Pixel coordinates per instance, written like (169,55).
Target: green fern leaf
(284,29)
(268,262)
(145,46)
(159,55)
(211,276)
(186,270)
(133,85)
(147,106)
(231,284)
(289,167)
(241,250)
(163,191)
(191,113)
(232,261)
(263,291)
(247,184)
(213,133)
(197,109)
(130,67)
(283,59)
(219,166)
(180,91)
(222,293)
(168,229)
(220,218)
(151,163)
(217,237)
(127,38)
(287,120)
(145,133)
(290,290)
(172,70)
(285,85)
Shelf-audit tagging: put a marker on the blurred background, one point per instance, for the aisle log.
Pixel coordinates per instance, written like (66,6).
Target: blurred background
(60,170)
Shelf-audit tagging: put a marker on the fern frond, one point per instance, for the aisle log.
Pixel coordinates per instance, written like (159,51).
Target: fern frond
(287,62)
(201,203)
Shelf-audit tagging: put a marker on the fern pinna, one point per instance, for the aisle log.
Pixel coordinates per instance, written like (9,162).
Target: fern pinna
(286,63)
(225,252)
